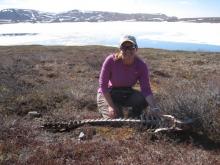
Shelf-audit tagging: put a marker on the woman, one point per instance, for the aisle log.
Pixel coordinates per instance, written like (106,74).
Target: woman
(119,73)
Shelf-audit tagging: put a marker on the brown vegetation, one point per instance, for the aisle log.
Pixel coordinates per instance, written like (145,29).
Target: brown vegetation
(61,84)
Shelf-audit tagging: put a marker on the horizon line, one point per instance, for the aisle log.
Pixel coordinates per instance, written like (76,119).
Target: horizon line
(107,12)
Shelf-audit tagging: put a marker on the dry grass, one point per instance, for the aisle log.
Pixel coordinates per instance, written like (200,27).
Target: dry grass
(61,83)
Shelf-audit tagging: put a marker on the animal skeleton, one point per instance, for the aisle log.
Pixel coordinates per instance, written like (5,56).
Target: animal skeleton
(155,124)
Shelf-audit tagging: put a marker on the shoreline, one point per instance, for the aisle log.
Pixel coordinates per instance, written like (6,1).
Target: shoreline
(103,46)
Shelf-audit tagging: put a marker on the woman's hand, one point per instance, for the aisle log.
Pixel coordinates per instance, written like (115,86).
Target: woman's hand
(112,112)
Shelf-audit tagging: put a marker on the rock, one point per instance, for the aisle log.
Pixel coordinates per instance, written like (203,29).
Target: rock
(34,114)
(81,136)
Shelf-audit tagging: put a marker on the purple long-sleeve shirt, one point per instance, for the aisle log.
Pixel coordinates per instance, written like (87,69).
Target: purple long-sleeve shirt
(116,74)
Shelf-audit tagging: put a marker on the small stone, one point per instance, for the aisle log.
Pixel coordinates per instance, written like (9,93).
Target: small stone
(81,136)
(34,114)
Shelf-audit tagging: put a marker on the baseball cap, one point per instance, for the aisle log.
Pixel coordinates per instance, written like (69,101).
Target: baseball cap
(128,38)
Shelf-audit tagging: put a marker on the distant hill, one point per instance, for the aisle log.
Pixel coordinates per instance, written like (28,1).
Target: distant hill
(34,16)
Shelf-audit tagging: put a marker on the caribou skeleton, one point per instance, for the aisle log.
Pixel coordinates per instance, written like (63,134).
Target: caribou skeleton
(154,124)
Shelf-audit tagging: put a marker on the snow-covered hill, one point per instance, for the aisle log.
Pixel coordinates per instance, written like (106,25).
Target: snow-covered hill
(34,16)
(25,15)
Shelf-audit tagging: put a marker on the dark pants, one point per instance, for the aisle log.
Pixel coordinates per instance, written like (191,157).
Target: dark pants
(126,97)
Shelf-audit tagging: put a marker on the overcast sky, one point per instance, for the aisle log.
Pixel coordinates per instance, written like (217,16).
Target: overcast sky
(179,8)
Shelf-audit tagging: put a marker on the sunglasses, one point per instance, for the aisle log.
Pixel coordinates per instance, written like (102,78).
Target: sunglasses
(124,48)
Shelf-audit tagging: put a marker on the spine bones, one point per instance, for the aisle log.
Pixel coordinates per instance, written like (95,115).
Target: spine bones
(158,124)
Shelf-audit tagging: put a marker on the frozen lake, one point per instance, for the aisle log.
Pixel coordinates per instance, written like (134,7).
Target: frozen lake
(165,35)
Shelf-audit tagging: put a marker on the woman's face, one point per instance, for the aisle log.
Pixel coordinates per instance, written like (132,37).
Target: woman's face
(128,51)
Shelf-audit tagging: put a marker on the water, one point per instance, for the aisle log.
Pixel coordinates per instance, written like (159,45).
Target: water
(165,35)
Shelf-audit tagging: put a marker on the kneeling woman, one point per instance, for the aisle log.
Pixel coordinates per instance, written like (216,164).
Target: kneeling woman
(119,73)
